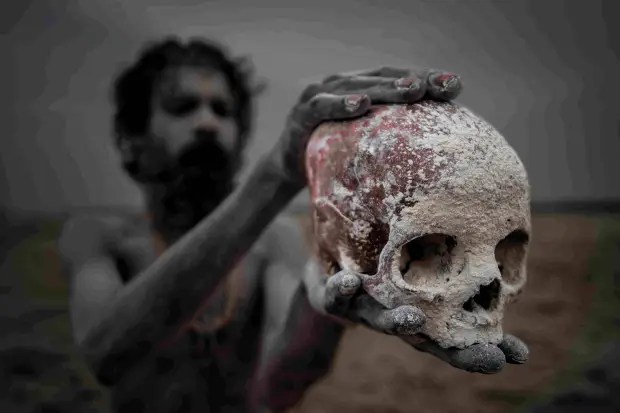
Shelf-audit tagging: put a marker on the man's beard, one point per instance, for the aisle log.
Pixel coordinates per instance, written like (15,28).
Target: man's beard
(194,184)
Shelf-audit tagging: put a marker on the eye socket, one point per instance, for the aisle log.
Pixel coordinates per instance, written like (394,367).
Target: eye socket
(427,256)
(181,106)
(221,108)
(510,253)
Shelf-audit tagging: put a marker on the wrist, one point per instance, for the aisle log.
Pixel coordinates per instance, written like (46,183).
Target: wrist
(274,167)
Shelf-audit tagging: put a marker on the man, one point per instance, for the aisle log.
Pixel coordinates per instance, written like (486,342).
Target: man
(204,307)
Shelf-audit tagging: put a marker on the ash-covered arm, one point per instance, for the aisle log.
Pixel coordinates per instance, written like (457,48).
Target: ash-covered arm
(154,305)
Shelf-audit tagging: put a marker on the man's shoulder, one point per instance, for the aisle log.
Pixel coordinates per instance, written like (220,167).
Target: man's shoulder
(95,224)
(88,231)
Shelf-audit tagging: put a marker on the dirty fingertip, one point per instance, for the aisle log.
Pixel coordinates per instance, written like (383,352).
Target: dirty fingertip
(445,85)
(354,103)
(348,284)
(515,350)
(407,320)
(480,358)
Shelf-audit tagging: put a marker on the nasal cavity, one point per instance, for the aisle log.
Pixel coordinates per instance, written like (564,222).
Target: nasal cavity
(486,298)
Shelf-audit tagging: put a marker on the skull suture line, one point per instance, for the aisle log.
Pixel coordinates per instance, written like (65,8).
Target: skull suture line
(430,203)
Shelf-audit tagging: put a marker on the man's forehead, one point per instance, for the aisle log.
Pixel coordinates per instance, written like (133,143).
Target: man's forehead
(194,81)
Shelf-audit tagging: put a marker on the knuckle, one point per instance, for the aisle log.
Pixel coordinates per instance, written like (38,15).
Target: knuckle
(319,101)
(342,83)
(333,77)
(302,116)
(383,70)
(315,103)
(310,91)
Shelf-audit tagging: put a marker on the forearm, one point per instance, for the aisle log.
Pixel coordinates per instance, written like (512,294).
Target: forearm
(157,303)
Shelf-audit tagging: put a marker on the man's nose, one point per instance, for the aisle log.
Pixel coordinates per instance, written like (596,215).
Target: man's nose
(205,133)
(205,119)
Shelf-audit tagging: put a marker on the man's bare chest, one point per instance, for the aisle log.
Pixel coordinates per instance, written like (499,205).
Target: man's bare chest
(140,247)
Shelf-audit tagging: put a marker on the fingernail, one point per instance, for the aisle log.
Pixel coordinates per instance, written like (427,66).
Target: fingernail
(353,101)
(406,83)
(445,81)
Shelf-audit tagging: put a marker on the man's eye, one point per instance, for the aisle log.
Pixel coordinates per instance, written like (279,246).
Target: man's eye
(181,106)
(221,108)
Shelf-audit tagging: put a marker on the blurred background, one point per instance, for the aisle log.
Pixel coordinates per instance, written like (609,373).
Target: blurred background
(544,73)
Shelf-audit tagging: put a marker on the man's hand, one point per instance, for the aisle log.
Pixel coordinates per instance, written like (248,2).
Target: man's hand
(341,295)
(350,95)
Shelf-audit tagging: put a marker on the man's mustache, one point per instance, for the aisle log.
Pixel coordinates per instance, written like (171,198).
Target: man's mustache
(204,151)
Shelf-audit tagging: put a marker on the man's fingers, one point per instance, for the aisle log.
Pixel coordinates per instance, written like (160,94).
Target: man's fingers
(356,84)
(345,86)
(330,295)
(479,358)
(378,72)
(442,85)
(381,90)
(310,91)
(339,290)
(386,72)
(402,90)
(515,350)
(325,106)
(405,320)
(436,84)
(315,281)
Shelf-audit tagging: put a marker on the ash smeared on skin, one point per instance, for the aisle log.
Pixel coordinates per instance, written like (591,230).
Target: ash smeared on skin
(404,171)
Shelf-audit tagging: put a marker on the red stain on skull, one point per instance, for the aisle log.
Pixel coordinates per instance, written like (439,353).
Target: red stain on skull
(362,170)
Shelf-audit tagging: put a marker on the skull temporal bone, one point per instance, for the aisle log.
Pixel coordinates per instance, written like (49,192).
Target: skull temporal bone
(431,204)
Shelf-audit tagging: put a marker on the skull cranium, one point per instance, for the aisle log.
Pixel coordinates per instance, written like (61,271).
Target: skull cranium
(430,204)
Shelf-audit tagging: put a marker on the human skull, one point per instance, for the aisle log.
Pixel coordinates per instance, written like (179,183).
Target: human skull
(430,205)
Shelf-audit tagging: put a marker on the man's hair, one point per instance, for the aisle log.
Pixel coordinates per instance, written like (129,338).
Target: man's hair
(133,89)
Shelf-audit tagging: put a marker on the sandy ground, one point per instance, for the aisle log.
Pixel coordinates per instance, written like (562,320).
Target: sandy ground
(372,373)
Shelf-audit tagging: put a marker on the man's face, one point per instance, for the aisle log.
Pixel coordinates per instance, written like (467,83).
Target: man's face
(192,114)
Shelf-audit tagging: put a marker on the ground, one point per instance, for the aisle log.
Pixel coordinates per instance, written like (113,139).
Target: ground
(566,314)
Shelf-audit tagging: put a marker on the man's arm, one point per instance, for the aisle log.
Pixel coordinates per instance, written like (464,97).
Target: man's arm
(155,305)
(85,246)
(300,352)
(115,324)
(297,342)
(94,285)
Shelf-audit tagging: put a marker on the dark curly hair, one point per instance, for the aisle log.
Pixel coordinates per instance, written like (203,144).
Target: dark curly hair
(133,88)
